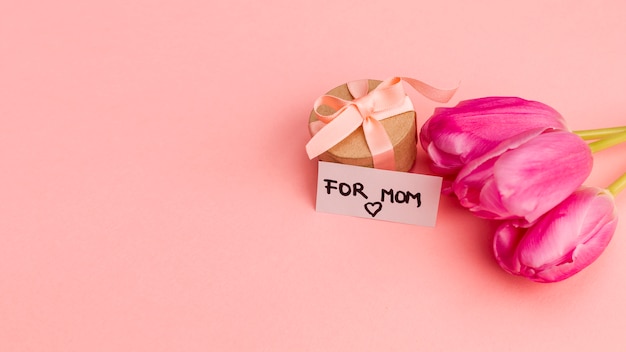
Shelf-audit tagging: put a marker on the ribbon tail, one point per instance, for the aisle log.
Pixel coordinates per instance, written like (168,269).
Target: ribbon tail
(379,144)
(430,92)
(334,132)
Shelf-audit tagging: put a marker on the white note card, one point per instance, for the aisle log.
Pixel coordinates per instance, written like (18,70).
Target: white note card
(378,194)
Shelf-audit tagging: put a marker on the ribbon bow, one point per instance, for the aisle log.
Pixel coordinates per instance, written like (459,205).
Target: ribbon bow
(367,110)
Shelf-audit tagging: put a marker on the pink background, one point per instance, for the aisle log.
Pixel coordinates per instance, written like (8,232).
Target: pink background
(155,194)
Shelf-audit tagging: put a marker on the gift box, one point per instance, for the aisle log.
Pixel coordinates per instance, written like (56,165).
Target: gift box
(368,123)
(353,150)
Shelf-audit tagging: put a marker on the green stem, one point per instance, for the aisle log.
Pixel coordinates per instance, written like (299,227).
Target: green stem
(618,185)
(608,142)
(599,133)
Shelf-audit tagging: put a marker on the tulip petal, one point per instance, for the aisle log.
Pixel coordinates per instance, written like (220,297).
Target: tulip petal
(511,143)
(473,127)
(443,163)
(470,181)
(505,243)
(542,172)
(490,200)
(469,190)
(569,237)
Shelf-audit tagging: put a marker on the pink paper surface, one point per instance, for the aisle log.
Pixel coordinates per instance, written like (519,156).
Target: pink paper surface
(155,194)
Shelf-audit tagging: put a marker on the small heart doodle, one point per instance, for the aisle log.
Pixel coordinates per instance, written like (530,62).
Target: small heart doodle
(373,208)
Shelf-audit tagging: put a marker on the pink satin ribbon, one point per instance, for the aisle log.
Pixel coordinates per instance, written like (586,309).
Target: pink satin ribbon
(367,109)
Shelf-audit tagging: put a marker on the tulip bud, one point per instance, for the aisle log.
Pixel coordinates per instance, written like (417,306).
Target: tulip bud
(452,137)
(524,176)
(563,242)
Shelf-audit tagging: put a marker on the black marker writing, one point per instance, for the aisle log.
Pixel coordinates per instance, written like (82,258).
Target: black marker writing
(400,196)
(344,188)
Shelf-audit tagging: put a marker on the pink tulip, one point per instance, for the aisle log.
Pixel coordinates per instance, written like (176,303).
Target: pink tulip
(563,242)
(524,176)
(452,137)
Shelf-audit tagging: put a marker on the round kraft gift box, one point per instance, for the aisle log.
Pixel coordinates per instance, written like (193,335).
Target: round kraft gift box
(353,150)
